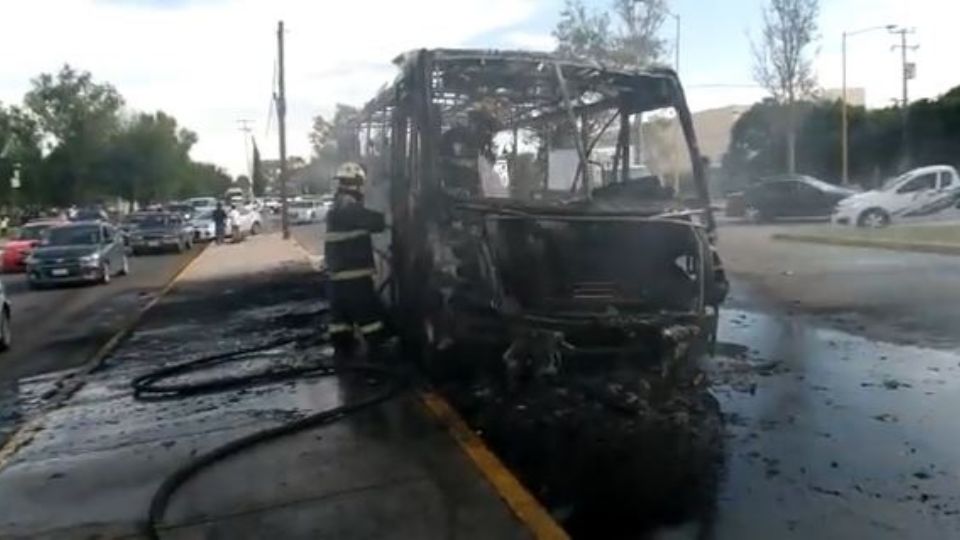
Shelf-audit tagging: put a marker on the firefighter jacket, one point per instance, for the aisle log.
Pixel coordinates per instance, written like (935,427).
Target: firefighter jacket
(347,244)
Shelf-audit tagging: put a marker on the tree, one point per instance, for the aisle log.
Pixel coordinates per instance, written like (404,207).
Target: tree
(243,182)
(147,160)
(206,179)
(581,33)
(321,135)
(637,41)
(333,142)
(782,63)
(875,138)
(78,116)
(20,150)
(258,182)
(628,38)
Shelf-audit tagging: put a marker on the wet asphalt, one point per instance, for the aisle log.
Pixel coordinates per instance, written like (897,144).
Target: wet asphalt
(60,328)
(836,376)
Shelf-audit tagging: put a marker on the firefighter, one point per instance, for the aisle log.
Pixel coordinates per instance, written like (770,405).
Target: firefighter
(354,304)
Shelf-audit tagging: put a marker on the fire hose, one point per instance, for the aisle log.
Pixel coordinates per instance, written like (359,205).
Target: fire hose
(150,387)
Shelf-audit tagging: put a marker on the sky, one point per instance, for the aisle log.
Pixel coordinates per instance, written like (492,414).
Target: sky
(211,63)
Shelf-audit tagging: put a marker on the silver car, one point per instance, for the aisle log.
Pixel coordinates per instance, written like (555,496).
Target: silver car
(84,252)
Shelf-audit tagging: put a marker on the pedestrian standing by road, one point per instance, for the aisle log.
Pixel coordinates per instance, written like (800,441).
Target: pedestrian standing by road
(348,248)
(219,222)
(234,218)
(4,225)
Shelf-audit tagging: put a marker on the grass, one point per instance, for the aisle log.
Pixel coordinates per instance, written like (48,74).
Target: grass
(932,234)
(940,238)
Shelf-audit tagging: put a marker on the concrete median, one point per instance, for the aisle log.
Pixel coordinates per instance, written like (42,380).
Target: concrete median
(944,240)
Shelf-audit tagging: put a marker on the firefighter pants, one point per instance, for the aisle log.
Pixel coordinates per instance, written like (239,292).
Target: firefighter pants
(355,307)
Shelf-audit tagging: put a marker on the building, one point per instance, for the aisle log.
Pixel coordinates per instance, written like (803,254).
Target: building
(714,127)
(856,97)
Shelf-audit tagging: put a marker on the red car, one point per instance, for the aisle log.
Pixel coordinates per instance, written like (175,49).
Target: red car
(18,248)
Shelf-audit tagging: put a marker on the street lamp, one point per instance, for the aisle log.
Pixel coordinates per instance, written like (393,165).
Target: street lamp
(676,42)
(844,150)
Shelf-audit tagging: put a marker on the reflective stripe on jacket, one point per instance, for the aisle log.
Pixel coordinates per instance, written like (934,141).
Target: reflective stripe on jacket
(348,248)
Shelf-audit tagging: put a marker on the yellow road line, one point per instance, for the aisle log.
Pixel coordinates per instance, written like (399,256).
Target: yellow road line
(25,433)
(520,501)
(524,505)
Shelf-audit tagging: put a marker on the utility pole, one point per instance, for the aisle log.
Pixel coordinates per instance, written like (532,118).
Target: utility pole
(844,123)
(676,44)
(282,126)
(245,128)
(907,71)
(844,129)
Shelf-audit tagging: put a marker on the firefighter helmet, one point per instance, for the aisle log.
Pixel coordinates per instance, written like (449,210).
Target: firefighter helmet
(351,175)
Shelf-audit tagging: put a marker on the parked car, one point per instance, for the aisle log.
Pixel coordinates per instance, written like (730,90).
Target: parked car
(916,194)
(6,334)
(793,196)
(201,204)
(18,248)
(129,222)
(236,196)
(87,251)
(272,204)
(184,209)
(157,231)
(90,214)
(204,228)
(250,223)
(306,211)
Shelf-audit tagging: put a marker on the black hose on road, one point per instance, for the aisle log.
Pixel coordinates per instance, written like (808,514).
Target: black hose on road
(146,388)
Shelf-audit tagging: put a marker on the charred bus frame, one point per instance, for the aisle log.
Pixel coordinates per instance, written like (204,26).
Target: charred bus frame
(400,138)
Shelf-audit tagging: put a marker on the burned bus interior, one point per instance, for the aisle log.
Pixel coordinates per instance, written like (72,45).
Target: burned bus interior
(516,205)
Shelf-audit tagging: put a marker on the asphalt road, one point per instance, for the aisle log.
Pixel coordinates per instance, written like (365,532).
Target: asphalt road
(836,374)
(901,297)
(55,329)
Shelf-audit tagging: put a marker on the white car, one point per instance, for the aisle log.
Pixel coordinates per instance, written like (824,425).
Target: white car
(204,228)
(272,204)
(306,211)
(202,204)
(915,194)
(249,222)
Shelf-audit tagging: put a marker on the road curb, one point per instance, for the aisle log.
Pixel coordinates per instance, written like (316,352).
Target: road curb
(69,384)
(521,502)
(316,261)
(920,247)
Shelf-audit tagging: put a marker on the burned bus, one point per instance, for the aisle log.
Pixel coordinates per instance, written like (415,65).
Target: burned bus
(530,217)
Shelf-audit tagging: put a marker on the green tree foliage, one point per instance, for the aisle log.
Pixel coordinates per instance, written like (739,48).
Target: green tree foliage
(206,179)
(626,35)
(243,182)
(782,60)
(757,148)
(259,181)
(333,142)
(147,160)
(19,147)
(78,116)
(74,143)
